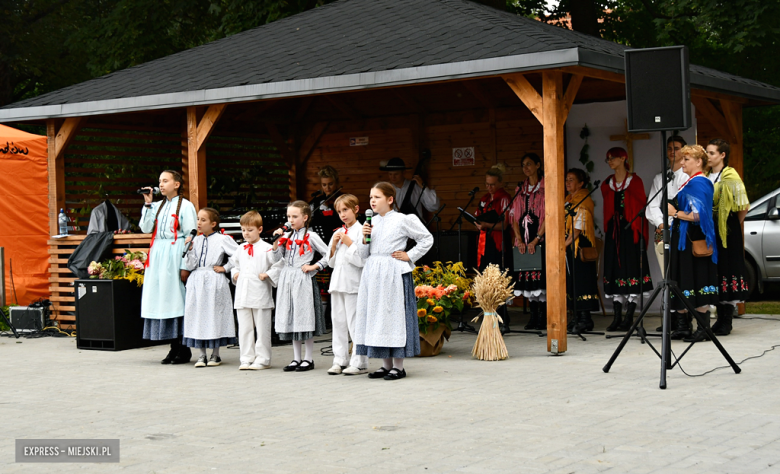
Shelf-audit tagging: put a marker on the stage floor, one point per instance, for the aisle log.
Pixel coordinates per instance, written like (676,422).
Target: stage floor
(532,413)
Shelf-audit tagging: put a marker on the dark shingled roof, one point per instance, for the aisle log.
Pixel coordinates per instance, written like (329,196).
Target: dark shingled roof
(400,41)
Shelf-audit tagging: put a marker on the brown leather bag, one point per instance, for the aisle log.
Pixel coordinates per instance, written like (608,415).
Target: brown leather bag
(701,249)
(589,254)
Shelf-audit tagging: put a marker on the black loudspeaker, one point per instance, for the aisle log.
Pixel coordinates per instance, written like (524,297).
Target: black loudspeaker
(658,89)
(108,315)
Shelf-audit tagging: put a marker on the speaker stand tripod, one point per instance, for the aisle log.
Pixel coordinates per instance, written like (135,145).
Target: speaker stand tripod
(668,287)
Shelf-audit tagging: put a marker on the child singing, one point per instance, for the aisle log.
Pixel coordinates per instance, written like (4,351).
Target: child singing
(208,311)
(254,274)
(162,299)
(344,282)
(299,315)
(386,326)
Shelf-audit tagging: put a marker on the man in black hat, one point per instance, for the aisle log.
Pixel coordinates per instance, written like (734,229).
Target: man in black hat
(409,202)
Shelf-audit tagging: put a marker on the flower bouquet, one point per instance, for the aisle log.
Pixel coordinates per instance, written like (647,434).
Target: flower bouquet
(439,290)
(491,288)
(129,266)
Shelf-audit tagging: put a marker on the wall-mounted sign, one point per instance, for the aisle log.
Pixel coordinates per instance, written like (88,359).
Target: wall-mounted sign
(463,156)
(358,141)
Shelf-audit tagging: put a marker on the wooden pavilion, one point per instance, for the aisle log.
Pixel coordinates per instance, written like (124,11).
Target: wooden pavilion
(408,74)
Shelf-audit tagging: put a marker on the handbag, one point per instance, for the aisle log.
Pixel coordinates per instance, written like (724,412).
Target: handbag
(589,254)
(701,249)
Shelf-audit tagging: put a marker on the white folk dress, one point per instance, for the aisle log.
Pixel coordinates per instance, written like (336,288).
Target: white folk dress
(299,314)
(386,323)
(162,300)
(251,292)
(208,311)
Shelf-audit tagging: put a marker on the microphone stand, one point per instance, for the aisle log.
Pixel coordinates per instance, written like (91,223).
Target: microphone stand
(641,332)
(437,219)
(506,329)
(570,211)
(463,326)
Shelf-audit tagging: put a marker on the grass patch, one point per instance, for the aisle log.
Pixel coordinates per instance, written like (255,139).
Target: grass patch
(762,307)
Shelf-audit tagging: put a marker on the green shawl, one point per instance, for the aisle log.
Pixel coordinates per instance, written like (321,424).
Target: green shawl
(730,196)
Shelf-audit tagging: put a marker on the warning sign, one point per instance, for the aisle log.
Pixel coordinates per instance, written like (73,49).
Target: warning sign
(463,156)
(358,141)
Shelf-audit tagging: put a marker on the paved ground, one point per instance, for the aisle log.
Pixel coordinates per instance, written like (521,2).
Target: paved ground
(532,413)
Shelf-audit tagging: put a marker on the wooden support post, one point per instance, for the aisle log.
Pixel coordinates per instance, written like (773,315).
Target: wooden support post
(289,157)
(58,141)
(194,168)
(551,108)
(555,171)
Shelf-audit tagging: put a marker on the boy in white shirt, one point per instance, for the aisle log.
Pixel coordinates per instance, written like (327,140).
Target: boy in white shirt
(254,275)
(347,267)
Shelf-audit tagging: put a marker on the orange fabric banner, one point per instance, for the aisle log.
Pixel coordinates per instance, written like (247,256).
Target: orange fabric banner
(24,210)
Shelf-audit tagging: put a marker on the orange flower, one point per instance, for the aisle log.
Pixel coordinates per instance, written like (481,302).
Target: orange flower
(426,268)
(431,302)
(432,319)
(438,309)
(421,313)
(438,293)
(465,295)
(419,291)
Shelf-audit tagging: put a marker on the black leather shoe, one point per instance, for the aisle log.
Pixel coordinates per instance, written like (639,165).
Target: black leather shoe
(169,358)
(395,374)
(617,318)
(379,373)
(305,366)
(292,366)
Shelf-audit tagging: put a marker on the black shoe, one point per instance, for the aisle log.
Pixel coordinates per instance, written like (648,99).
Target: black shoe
(628,320)
(723,325)
(305,366)
(584,322)
(292,366)
(395,374)
(571,322)
(171,355)
(684,326)
(700,334)
(379,374)
(184,356)
(674,323)
(617,318)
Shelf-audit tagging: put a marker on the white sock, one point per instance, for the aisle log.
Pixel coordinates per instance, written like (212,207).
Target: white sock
(309,349)
(215,352)
(398,363)
(202,351)
(387,363)
(296,351)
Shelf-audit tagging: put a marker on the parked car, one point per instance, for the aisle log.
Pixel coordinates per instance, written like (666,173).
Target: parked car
(762,241)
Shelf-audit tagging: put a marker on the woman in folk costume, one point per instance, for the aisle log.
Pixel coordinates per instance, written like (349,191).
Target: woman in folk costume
(696,276)
(491,242)
(386,320)
(162,299)
(624,197)
(730,206)
(582,279)
(527,217)
(299,314)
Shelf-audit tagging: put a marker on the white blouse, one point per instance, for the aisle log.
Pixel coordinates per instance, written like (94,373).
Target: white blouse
(346,262)
(251,292)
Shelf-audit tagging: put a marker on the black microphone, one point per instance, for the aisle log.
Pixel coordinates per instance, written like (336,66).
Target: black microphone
(474,191)
(369,215)
(596,183)
(155,191)
(669,175)
(189,247)
(285,228)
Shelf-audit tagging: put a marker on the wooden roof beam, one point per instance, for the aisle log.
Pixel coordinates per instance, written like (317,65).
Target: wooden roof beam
(713,115)
(303,108)
(409,101)
(207,123)
(526,93)
(311,142)
(280,143)
(66,134)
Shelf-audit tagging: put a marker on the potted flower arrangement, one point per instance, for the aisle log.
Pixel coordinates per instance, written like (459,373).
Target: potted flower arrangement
(439,290)
(129,266)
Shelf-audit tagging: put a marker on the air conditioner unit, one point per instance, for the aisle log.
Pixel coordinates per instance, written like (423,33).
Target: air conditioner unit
(26,319)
